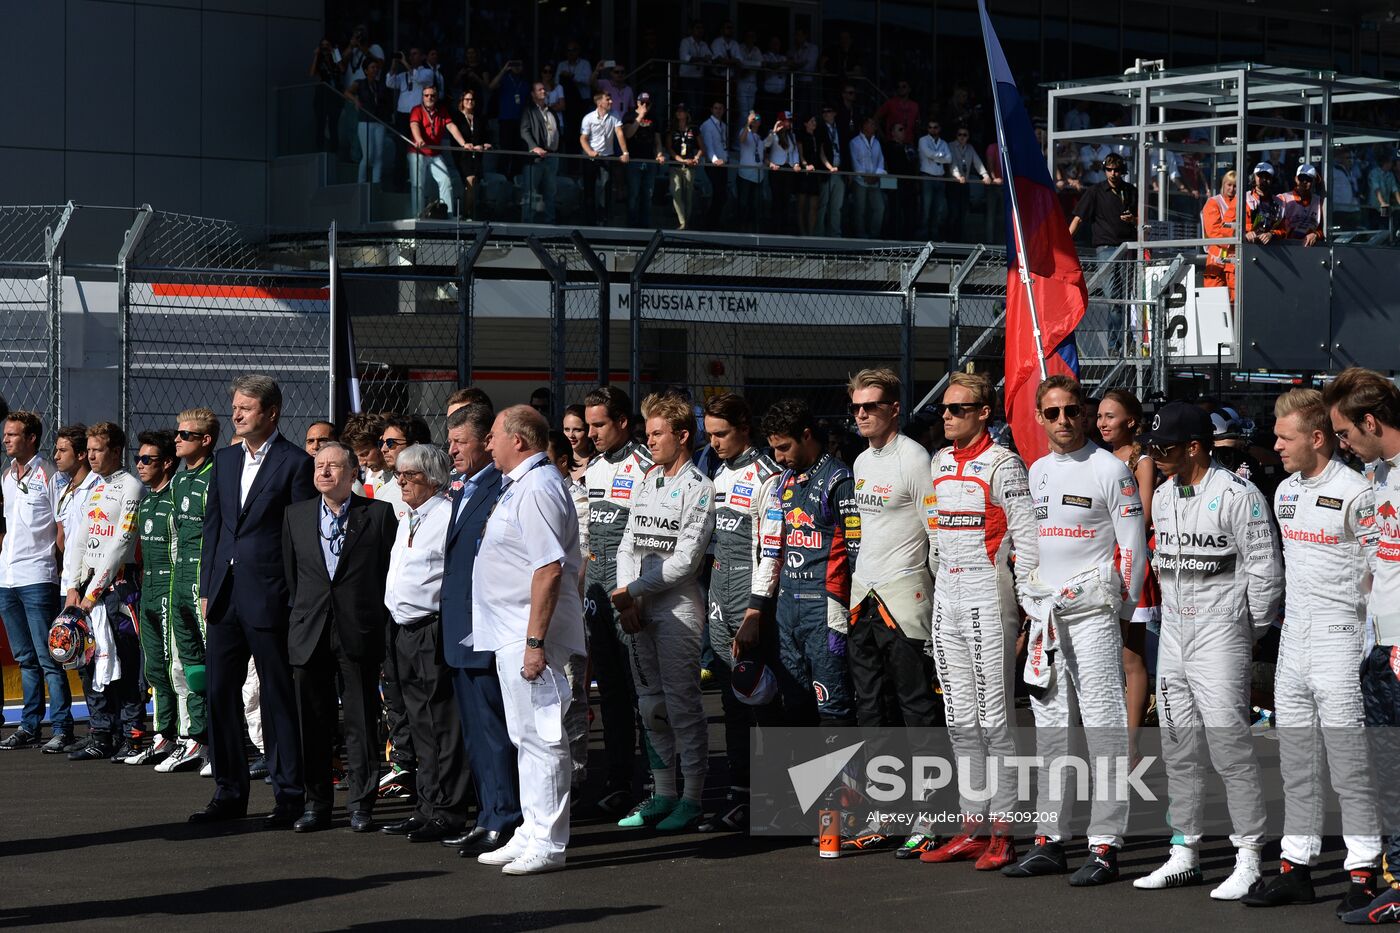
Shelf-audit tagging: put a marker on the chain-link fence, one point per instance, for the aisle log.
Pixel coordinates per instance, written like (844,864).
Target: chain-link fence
(31,270)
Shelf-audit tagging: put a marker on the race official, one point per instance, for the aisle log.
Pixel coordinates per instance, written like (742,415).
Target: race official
(1326,515)
(982,497)
(1092,542)
(1217,561)
(533,623)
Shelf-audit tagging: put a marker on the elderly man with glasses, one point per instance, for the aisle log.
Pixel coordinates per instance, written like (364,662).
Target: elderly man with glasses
(336,551)
(413,595)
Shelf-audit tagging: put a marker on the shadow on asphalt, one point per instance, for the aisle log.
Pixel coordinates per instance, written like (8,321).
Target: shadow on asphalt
(211,902)
(526,920)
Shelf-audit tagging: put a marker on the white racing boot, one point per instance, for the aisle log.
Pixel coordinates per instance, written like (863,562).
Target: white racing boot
(1243,879)
(1182,868)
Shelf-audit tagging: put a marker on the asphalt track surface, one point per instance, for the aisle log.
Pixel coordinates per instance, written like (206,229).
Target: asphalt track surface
(94,845)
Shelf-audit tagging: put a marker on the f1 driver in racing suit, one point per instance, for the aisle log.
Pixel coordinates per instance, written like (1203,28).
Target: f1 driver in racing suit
(984,511)
(1092,539)
(1327,517)
(1364,408)
(613,479)
(660,603)
(1218,564)
(741,582)
(95,558)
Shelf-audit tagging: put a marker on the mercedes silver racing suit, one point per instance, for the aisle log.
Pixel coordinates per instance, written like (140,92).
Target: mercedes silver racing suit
(658,561)
(1218,564)
(982,497)
(1092,540)
(613,479)
(1328,526)
(742,577)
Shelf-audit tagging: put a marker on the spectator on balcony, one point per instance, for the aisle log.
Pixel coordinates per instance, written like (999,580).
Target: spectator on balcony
(715,134)
(512,93)
(966,163)
(902,158)
(897,109)
(428,123)
(553,90)
(1109,208)
(780,154)
(1262,210)
(809,183)
(611,78)
(694,54)
(868,162)
(832,156)
(1345,192)
(644,140)
(1091,162)
(473,128)
(724,53)
(326,69)
(935,159)
(844,61)
(375,103)
(849,117)
(472,74)
(1075,118)
(358,53)
(408,75)
(1302,208)
(600,137)
(749,184)
(805,59)
(1384,198)
(686,149)
(750,61)
(775,77)
(541,134)
(963,109)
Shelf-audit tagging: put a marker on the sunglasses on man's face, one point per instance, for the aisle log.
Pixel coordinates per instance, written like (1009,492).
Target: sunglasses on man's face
(389,443)
(956,409)
(190,435)
(147,459)
(872,407)
(1071,412)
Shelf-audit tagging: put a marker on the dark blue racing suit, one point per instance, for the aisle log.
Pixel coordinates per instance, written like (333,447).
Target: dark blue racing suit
(817,542)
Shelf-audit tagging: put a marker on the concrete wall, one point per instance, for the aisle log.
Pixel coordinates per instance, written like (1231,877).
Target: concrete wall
(169,102)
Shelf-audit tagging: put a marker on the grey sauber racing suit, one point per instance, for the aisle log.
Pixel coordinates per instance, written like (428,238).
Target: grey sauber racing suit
(1218,563)
(613,479)
(1092,538)
(744,576)
(659,562)
(1328,526)
(983,510)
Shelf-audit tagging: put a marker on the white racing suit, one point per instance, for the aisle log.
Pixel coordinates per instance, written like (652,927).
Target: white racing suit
(982,498)
(658,561)
(1218,564)
(1328,525)
(1092,538)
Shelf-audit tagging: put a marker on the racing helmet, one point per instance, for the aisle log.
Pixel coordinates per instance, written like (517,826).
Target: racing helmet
(70,639)
(754,683)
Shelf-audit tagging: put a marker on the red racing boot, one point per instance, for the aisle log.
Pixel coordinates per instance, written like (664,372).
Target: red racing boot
(964,847)
(1000,851)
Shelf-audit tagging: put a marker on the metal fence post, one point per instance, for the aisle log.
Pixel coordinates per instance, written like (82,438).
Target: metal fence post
(53,239)
(960,273)
(133,237)
(466,304)
(909,285)
(634,380)
(333,374)
(557,372)
(600,269)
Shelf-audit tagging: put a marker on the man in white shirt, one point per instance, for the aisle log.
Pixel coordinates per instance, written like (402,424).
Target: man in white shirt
(600,137)
(714,133)
(30,490)
(746,88)
(413,594)
(527,609)
(724,52)
(695,53)
(935,158)
(804,57)
(868,161)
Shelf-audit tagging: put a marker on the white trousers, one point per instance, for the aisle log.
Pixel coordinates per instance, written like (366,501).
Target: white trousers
(545,766)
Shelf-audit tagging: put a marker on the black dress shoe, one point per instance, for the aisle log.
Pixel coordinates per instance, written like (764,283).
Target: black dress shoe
(220,810)
(257,768)
(467,838)
(361,821)
(282,816)
(313,820)
(489,841)
(435,831)
(402,827)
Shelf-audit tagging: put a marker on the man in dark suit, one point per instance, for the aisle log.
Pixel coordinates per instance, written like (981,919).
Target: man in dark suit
(336,550)
(474,683)
(243,591)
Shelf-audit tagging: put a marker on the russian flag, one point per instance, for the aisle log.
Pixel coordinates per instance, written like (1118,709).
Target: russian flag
(1053,295)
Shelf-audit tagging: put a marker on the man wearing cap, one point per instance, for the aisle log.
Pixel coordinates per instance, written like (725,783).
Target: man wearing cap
(1302,209)
(1262,211)
(644,139)
(1218,563)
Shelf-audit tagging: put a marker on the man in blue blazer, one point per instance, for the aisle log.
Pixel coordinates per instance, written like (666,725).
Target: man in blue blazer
(246,602)
(489,749)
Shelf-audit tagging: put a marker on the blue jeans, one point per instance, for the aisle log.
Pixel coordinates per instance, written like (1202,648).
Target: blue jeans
(441,173)
(641,188)
(372,156)
(935,208)
(540,177)
(869,216)
(833,199)
(28,612)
